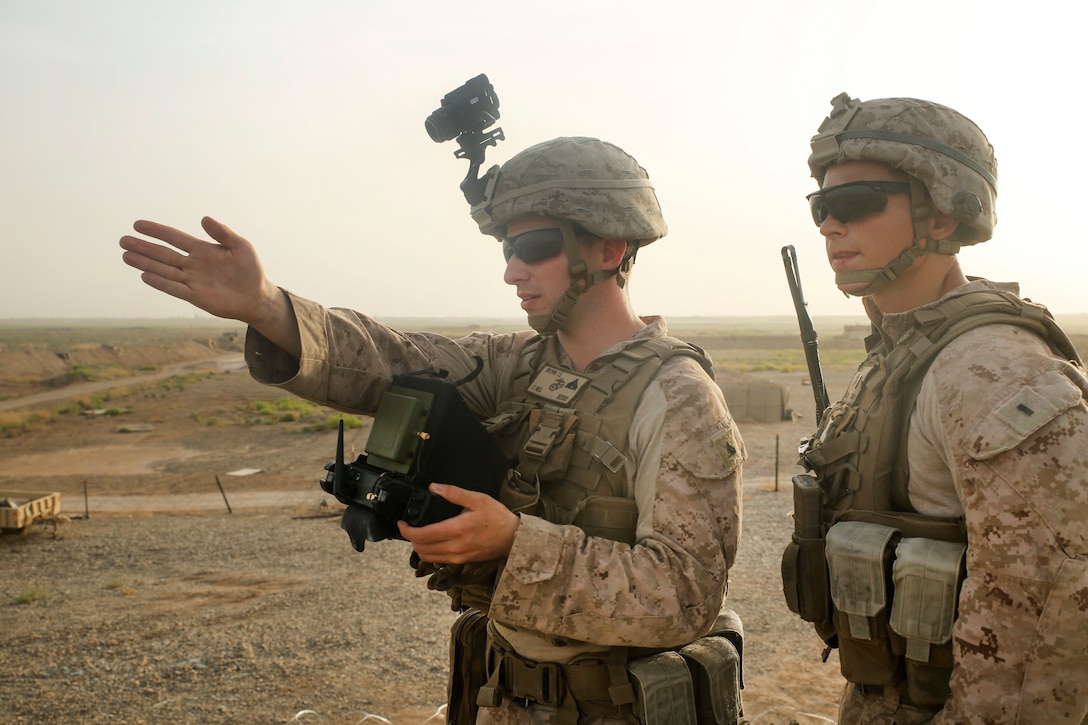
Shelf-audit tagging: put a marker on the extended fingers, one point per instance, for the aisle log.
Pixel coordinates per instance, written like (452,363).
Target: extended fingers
(172,287)
(150,257)
(174,237)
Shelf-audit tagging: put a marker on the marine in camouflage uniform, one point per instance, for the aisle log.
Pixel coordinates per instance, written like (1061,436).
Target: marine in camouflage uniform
(996,439)
(575,210)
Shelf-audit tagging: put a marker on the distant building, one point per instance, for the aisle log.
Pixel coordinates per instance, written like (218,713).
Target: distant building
(856,332)
(752,399)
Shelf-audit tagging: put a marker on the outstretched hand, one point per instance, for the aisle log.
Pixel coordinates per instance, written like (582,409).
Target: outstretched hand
(224,277)
(483,531)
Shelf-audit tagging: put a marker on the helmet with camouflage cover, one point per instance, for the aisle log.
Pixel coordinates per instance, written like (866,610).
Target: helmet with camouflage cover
(577,181)
(590,182)
(943,153)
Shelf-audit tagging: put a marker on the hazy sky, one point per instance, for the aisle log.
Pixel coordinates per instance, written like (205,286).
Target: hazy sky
(300,124)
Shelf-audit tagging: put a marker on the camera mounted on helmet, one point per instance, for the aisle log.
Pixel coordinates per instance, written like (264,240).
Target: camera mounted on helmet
(465,113)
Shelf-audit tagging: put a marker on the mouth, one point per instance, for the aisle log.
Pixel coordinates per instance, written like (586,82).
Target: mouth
(527,300)
(842,259)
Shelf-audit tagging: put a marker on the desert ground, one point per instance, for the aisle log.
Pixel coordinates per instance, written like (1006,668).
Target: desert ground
(200,574)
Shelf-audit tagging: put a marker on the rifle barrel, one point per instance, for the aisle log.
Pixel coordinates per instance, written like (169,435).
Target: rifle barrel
(808,332)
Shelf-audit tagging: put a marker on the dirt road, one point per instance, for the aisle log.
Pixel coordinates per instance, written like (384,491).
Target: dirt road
(76,390)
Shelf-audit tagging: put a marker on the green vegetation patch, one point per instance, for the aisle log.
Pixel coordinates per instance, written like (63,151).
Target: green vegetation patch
(31,595)
(14,422)
(786,361)
(303,415)
(93,373)
(179,382)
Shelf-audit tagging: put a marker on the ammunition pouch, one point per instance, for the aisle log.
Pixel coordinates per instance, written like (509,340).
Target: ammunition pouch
(859,558)
(697,684)
(702,686)
(715,666)
(927,575)
(902,641)
(664,693)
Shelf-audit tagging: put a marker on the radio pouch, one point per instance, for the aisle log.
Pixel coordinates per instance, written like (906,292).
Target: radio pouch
(804,566)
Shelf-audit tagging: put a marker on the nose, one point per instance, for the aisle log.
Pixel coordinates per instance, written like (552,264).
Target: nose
(831,226)
(516,271)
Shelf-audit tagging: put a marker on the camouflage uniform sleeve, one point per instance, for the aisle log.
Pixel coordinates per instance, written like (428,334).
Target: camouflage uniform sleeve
(1014,424)
(669,587)
(348,360)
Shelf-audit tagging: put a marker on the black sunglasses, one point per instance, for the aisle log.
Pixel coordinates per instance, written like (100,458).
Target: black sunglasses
(847,202)
(535,246)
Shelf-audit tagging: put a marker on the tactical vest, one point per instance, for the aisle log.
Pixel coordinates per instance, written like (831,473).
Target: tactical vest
(567,432)
(858,539)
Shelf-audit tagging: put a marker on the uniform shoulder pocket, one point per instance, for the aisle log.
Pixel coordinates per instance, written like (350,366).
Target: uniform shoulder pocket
(712,456)
(1023,413)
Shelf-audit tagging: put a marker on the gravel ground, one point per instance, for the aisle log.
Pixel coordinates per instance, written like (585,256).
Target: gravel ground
(243,618)
(269,616)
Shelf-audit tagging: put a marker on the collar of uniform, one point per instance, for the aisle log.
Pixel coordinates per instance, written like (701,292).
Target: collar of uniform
(655,327)
(897,324)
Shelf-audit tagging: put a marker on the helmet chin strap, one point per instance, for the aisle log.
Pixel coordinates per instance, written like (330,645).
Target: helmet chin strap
(876,279)
(580,280)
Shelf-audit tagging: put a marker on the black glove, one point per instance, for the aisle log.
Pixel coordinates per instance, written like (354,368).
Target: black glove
(468,585)
(423,568)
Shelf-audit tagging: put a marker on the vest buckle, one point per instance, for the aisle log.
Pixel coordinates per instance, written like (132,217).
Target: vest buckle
(609,456)
(547,431)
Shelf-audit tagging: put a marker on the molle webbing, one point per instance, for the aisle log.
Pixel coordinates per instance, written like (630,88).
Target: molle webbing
(861,456)
(956,317)
(580,450)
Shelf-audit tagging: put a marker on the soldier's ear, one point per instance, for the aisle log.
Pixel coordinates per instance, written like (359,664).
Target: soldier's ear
(941,225)
(612,253)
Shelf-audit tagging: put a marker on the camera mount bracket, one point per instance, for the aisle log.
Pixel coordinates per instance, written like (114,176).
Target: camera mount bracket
(473,147)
